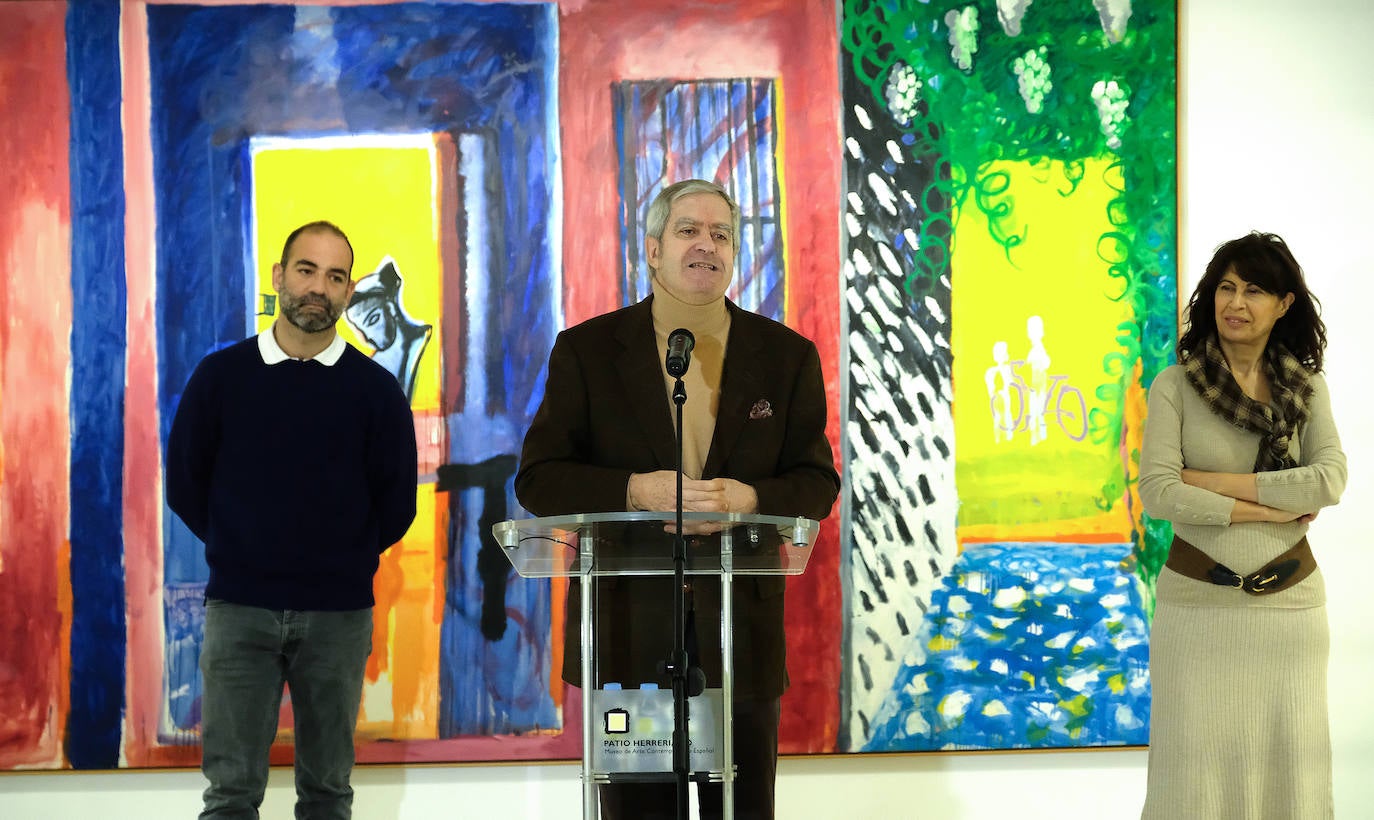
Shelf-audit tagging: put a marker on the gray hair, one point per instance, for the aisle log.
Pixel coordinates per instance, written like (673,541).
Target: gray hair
(656,220)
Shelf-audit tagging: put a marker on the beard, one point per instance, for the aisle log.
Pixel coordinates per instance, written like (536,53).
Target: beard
(293,309)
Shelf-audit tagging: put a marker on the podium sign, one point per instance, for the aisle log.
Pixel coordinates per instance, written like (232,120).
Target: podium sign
(620,567)
(634,730)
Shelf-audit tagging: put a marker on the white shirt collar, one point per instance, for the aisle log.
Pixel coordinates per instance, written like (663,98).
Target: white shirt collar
(272,353)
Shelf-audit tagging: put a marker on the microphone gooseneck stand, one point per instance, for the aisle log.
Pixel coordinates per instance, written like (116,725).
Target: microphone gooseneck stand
(680,344)
(678,664)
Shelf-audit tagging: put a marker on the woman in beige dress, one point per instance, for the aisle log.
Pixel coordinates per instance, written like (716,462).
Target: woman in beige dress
(1240,452)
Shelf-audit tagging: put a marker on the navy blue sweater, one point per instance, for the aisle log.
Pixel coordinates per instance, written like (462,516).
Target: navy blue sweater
(297,476)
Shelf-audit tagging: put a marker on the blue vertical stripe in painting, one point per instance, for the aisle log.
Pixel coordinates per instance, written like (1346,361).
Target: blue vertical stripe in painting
(220,75)
(97,390)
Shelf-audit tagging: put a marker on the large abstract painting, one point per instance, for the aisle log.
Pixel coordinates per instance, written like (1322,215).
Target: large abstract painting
(1010,222)
(968,206)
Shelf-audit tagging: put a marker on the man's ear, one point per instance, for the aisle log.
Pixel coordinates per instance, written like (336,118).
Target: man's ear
(277,276)
(652,249)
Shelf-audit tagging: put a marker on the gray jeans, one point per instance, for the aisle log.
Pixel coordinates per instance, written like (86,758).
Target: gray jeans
(248,655)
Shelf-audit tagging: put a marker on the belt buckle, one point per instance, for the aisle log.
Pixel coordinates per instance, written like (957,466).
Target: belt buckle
(1273,575)
(1224,576)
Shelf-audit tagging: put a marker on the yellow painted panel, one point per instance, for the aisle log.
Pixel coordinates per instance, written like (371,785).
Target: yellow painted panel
(1052,287)
(383,198)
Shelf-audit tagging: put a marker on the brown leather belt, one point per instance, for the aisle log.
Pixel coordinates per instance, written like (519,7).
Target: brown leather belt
(1279,574)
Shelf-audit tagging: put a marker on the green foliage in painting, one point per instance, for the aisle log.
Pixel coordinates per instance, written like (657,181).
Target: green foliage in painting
(1151,552)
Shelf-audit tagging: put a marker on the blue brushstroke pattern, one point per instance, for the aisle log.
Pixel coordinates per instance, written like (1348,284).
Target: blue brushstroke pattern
(98,345)
(222,75)
(491,687)
(722,130)
(1028,646)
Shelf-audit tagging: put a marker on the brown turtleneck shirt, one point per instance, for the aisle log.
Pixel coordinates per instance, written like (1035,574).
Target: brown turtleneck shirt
(710,325)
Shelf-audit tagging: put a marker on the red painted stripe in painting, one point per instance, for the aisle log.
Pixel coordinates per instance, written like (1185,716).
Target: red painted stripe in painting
(35,324)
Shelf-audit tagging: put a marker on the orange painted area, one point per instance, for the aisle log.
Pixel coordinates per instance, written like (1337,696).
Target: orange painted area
(1107,528)
(64,636)
(403,670)
(1132,435)
(558,609)
(441,508)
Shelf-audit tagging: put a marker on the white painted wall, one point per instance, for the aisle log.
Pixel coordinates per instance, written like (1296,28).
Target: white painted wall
(1277,134)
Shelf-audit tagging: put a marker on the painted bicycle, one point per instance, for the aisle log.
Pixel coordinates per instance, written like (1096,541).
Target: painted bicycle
(1023,409)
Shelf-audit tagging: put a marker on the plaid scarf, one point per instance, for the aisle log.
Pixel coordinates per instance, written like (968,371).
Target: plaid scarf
(1277,422)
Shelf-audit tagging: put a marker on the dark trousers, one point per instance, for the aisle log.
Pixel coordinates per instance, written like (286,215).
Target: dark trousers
(756,758)
(249,654)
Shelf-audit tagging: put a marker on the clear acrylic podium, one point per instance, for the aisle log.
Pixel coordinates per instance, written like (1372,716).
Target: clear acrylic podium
(615,558)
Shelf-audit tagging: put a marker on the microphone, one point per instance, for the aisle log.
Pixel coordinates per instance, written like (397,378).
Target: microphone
(680,344)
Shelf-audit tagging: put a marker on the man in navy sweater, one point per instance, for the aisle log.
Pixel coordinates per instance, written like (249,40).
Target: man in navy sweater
(292,540)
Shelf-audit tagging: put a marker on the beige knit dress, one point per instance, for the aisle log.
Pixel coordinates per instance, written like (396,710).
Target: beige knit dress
(1238,724)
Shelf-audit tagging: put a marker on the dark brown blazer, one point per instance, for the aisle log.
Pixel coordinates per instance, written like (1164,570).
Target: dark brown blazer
(606,415)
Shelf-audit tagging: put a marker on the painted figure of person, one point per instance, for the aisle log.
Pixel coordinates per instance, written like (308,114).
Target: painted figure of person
(1240,451)
(753,442)
(1038,396)
(376,312)
(292,456)
(999,379)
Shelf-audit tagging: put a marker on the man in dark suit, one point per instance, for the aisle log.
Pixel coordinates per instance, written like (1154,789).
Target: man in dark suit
(754,441)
